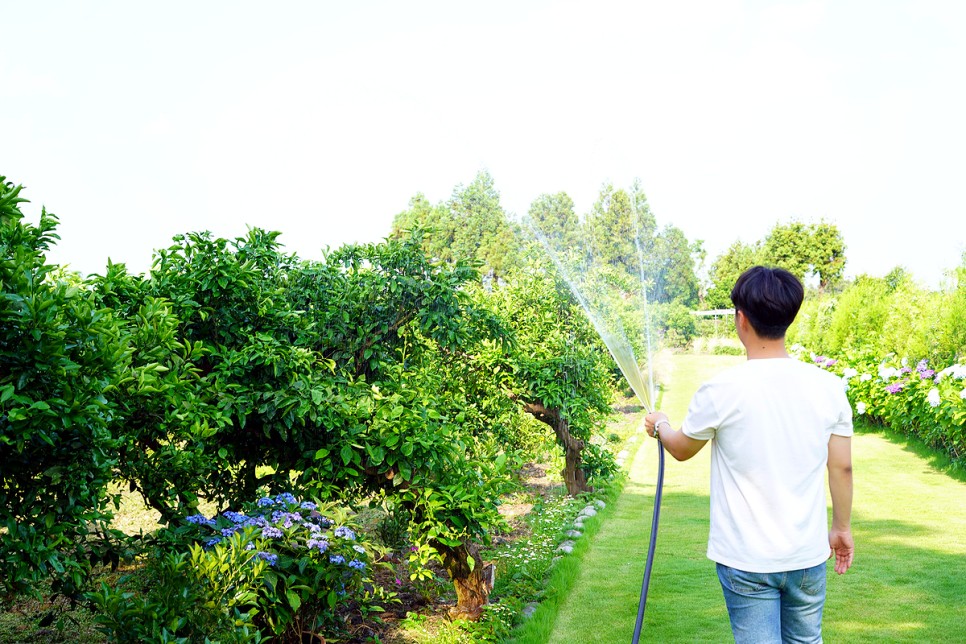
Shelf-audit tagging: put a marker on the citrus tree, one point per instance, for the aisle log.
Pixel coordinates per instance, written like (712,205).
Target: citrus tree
(557,368)
(59,353)
(350,376)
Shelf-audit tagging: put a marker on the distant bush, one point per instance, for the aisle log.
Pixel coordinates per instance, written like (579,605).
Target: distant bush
(727,350)
(874,317)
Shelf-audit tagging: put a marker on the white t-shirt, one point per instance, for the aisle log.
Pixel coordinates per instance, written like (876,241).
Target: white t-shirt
(769,422)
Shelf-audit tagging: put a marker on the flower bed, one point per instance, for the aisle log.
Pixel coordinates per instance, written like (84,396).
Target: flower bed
(922,401)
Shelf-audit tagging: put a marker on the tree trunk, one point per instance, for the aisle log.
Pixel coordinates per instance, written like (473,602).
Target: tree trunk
(574,477)
(472,586)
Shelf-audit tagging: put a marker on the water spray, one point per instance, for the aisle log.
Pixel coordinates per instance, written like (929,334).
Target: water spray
(623,354)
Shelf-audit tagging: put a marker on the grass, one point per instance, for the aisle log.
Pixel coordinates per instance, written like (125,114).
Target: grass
(907,583)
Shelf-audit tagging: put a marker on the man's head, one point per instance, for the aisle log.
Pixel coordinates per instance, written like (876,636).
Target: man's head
(769,298)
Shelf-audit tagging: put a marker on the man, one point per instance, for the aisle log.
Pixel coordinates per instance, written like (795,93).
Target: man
(775,424)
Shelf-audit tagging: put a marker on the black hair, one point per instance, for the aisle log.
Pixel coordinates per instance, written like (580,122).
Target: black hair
(770,298)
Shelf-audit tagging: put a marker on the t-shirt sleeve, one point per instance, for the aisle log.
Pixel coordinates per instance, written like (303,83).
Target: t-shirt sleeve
(843,425)
(703,418)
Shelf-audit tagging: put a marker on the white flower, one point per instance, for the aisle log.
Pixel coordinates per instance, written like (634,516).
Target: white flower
(905,362)
(866,377)
(860,407)
(885,373)
(962,394)
(933,397)
(957,371)
(850,373)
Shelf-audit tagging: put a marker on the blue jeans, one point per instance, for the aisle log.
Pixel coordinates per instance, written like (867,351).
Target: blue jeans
(776,607)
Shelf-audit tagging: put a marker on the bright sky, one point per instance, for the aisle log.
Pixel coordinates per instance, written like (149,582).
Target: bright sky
(137,121)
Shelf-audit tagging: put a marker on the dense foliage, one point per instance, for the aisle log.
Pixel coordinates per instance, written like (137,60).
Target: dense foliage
(807,250)
(877,316)
(59,353)
(373,374)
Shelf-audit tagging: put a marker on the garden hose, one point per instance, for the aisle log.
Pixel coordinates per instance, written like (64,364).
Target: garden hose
(655,517)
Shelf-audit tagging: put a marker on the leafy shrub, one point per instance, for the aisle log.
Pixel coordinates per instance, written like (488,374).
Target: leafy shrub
(319,566)
(679,326)
(727,350)
(286,568)
(199,595)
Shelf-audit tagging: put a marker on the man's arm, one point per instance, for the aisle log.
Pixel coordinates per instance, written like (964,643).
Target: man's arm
(840,485)
(677,443)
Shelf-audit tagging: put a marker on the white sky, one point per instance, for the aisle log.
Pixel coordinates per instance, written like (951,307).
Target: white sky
(136,121)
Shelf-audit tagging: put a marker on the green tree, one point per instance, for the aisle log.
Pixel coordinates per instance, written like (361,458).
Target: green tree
(58,355)
(481,229)
(436,221)
(675,279)
(554,217)
(807,249)
(617,223)
(828,254)
(556,367)
(471,225)
(725,271)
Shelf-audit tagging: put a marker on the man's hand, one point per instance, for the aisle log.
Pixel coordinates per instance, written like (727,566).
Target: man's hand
(677,444)
(652,419)
(842,548)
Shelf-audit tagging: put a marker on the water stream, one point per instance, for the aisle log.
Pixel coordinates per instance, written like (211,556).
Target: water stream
(610,307)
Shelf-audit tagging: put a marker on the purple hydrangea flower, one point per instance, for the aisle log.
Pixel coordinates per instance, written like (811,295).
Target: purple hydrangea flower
(211,543)
(265,502)
(345,533)
(337,559)
(896,388)
(227,532)
(286,519)
(269,557)
(270,532)
(358,565)
(234,517)
(200,519)
(286,497)
(320,544)
(257,522)
(926,373)
(308,505)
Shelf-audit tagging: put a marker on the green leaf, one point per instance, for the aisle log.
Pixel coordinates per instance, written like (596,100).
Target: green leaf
(293,599)
(346,453)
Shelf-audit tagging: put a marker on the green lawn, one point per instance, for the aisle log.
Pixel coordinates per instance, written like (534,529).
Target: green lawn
(908,583)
